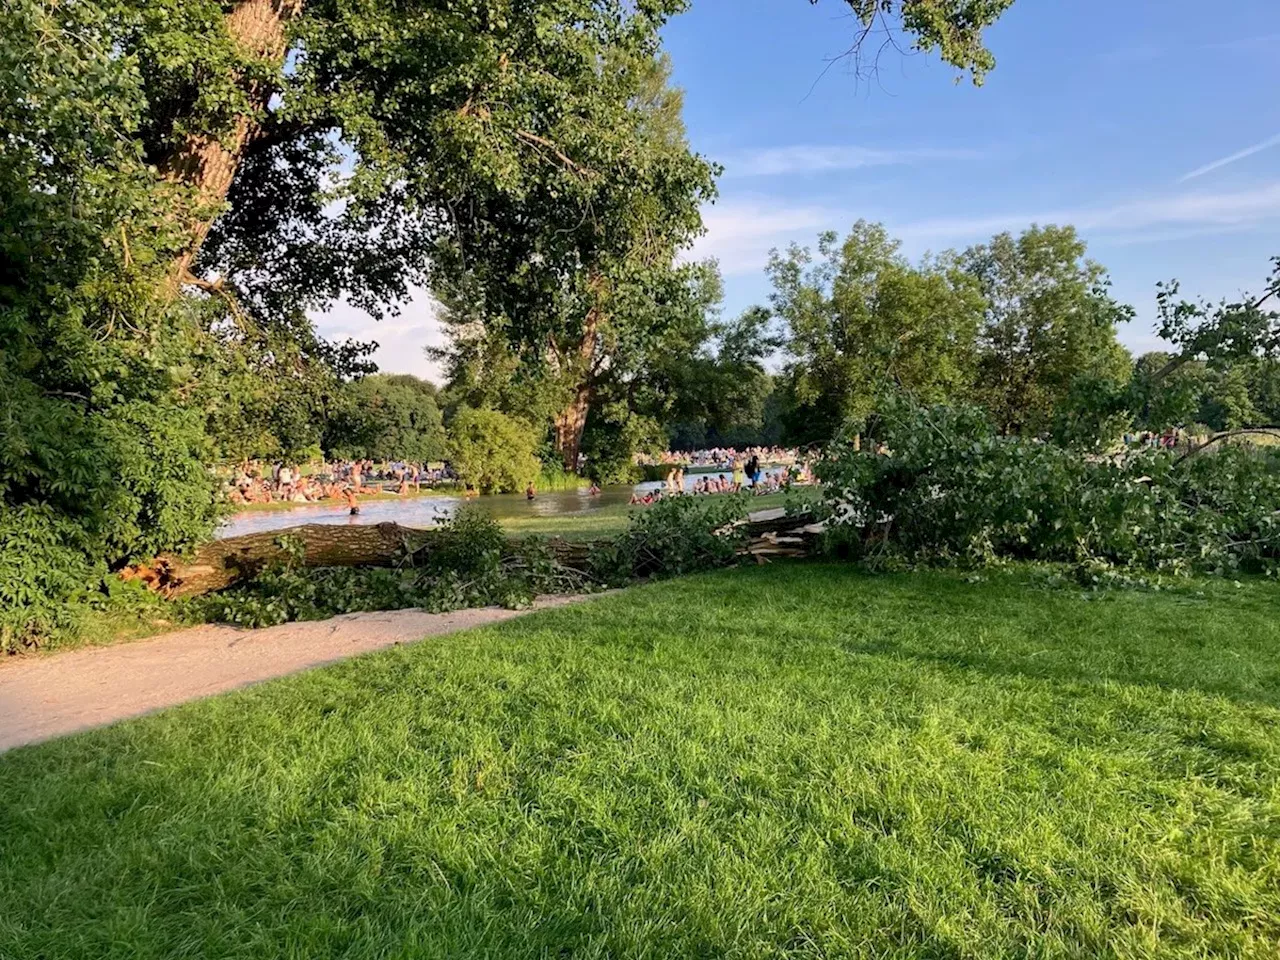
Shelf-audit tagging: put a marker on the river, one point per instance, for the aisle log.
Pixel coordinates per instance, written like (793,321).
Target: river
(427,511)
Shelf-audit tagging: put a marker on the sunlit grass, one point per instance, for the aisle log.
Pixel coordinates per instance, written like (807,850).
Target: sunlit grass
(782,761)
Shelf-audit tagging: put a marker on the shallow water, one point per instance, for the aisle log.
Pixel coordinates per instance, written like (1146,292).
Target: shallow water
(429,511)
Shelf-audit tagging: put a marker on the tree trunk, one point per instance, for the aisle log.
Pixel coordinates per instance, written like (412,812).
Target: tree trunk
(207,162)
(569,425)
(220,563)
(571,421)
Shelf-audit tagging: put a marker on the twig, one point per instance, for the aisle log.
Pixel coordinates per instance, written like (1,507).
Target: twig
(1268,431)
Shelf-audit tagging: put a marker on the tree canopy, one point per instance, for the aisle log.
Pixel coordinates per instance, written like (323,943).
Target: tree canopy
(863,321)
(386,417)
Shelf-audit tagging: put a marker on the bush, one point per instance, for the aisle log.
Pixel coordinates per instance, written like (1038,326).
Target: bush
(491,452)
(467,562)
(43,563)
(675,536)
(948,488)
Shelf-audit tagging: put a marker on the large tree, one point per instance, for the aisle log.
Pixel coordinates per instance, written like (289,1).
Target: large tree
(580,280)
(183,180)
(862,320)
(1050,323)
(386,417)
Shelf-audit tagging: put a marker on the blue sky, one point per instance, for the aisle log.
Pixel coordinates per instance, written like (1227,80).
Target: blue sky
(1152,125)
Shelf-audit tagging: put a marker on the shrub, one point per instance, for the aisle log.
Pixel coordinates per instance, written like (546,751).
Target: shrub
(43,562)
(675,536)
(492,452)
(465,563)
(947,487)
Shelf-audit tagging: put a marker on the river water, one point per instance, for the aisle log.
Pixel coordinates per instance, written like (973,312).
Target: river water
(430,510)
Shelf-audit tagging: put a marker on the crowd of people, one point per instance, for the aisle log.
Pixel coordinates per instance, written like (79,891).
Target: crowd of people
(721,457)
(748,475)
(259,482)
(1172,439)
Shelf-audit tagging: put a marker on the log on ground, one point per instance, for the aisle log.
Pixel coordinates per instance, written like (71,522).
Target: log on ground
(220,563)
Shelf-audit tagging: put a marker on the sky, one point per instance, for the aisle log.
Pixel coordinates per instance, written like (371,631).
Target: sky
(1153,126)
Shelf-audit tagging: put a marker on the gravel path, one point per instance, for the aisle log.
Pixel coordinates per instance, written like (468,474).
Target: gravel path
(49,696)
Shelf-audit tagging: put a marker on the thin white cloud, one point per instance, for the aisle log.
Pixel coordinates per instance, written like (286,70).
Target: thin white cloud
(401,339)
(1242,208)
(813,158)
(1262,41)
(1246,152)
(741,233)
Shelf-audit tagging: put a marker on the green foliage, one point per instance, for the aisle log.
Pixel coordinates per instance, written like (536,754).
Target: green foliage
(675,536)
(43,562)
(386,417)
(467,562)
(616,433)
(1050,322)
(950,488)
(862,321)
(951,28)
(1223,368)
(492,452)
(574,298)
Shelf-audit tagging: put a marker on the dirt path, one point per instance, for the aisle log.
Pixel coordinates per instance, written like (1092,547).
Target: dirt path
(46,697)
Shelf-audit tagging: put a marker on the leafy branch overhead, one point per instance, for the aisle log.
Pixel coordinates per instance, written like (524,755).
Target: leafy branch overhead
(951,28)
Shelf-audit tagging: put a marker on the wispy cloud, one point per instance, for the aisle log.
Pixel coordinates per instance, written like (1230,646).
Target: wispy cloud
(740,233)
(1261,41)
(814,158)
(1137,53)
(1240,155)
(401,339)
(1234,209)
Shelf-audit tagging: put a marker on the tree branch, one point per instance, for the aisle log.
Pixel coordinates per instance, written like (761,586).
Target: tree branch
(567,161)
(1268,430)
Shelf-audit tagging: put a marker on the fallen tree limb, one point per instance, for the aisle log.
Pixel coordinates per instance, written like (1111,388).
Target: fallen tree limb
(220,563)
(1269,430)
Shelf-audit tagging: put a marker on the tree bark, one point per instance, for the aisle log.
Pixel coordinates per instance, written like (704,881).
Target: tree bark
(569,425)
(220,563)
(207,162)
(571,421)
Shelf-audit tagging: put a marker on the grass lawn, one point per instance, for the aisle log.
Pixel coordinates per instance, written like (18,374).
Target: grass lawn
(789,761)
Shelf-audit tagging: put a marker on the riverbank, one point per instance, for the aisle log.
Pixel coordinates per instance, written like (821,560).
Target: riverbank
(278,506)
(764,761)
(127,623)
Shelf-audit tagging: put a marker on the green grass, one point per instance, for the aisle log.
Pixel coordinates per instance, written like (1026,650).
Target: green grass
(795,761)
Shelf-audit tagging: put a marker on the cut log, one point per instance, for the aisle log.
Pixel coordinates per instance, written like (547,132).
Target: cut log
(219,564)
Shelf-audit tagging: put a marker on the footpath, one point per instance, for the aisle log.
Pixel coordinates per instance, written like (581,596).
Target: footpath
(47,696)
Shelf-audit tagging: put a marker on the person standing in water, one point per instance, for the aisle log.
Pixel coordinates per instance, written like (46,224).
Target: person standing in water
(531,492)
